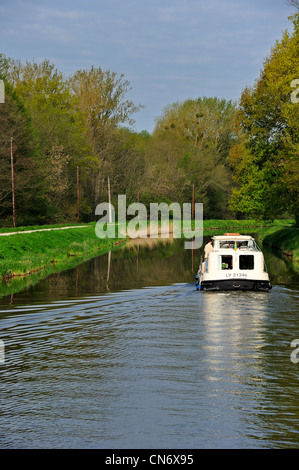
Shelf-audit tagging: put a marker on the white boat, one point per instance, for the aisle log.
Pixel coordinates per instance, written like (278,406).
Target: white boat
(236,263)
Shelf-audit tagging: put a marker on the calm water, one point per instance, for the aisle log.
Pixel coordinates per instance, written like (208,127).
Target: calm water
(123,352)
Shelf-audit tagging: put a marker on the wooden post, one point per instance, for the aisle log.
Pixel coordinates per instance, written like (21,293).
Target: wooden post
(13,183)
(78,196)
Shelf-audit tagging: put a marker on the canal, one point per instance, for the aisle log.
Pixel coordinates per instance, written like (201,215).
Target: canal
(123,352)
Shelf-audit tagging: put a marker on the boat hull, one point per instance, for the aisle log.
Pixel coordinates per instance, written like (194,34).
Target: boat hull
(234,262)
(236,284)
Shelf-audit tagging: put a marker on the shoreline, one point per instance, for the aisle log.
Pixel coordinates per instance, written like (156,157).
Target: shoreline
(37,250)
(285,240)
(54,263)
(28,252)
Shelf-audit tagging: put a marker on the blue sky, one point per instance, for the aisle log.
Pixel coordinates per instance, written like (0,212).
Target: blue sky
(169,50)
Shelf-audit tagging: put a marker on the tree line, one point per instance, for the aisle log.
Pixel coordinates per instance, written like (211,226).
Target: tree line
(240,158)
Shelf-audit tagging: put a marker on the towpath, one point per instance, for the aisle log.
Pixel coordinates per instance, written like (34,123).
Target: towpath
(41,230)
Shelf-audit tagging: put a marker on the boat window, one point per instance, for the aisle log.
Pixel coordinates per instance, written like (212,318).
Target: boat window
(246,262)
(226,262)
(232,244)
(227,244)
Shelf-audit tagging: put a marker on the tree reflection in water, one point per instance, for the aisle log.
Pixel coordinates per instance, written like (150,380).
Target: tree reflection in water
(143,262)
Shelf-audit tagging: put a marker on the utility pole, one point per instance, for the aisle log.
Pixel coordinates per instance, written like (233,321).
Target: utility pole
(13,183)
(78,195)
(138,201)
(109,199)
(193,203)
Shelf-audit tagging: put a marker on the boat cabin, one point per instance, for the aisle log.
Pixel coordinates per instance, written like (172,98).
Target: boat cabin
(235,262)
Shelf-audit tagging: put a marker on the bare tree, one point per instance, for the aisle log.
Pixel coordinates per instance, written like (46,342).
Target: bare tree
(293,3)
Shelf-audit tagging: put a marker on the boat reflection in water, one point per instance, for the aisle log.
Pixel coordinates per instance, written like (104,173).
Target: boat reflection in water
(138,264)
(234,329)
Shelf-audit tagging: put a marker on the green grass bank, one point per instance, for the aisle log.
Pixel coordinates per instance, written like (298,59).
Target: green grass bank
(24,254)
(284,239)
(214,224)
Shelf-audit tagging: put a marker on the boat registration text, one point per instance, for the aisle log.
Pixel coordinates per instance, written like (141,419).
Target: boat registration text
(235,274)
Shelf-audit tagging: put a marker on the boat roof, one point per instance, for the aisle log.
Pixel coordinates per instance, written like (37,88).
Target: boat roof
(232,236)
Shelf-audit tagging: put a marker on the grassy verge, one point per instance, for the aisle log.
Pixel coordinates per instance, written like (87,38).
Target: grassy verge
(26,253)
(22,254)
(40,227)
(242,224)
(286,240)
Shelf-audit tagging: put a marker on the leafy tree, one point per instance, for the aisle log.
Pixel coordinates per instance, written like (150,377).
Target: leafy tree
(60,125)
(52,105)
(102,99)
(266,162)
(197,136)
(29,167)
(164,180)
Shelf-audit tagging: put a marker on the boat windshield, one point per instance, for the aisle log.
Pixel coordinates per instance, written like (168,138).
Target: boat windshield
(239,244)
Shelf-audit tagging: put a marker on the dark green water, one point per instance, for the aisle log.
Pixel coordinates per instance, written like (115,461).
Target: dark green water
(123,352)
